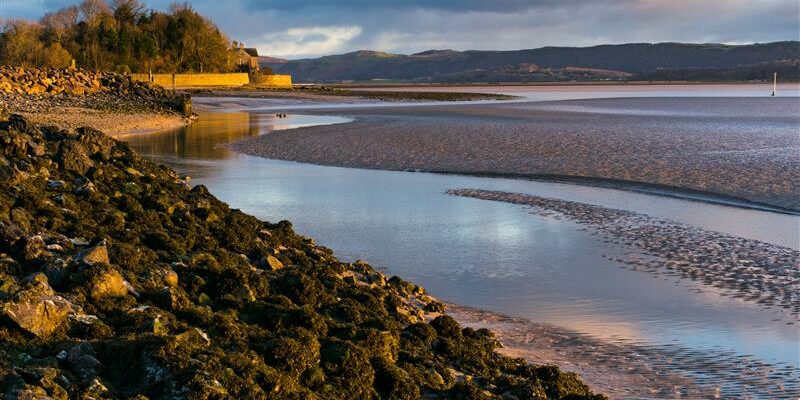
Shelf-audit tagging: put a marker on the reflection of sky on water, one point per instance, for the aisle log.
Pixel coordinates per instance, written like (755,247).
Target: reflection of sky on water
(494,256)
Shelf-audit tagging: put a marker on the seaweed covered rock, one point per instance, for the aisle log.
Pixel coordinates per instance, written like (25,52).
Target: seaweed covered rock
(118,280)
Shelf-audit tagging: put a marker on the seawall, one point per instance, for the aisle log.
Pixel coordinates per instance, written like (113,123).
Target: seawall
(224,79)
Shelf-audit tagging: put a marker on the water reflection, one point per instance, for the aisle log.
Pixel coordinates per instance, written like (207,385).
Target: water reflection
(201,141)
(488,255)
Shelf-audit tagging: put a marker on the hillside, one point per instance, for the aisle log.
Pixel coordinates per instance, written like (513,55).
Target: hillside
(606,62)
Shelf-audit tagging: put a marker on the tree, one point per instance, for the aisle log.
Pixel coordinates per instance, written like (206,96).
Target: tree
(21,44)
(123,35)
(127,11)
(59,24)
(93,10)
(56,57)
(202,45)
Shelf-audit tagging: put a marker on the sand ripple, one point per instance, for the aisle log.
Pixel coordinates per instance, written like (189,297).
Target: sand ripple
(748,269)
(639,370)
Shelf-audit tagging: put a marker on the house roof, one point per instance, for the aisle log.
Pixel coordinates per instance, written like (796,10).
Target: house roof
(252,52)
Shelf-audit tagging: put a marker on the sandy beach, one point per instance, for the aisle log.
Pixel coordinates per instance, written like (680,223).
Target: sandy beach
(110,122)
(709,146)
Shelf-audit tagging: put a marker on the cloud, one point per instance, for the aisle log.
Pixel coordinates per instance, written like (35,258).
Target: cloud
(298,28)
(506,6)
(308,41)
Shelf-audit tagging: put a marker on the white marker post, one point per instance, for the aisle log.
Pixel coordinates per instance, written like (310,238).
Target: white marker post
(774,83)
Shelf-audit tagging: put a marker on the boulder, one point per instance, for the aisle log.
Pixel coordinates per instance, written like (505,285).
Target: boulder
(8,286)
(81,360)
(35,248)
(38,312)
(274,263)
(95,255)
(74,157)
(108,283)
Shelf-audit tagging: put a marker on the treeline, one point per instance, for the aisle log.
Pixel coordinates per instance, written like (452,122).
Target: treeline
(123,36)
(787,70)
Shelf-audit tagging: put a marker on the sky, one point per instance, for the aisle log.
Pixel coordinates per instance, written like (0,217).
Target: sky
(303,29)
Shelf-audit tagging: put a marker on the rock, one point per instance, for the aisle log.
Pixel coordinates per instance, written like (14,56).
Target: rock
(35,248)
(85,187)
(38,313)
(171,299)
(95,255)
(79,241)
(194,336)
(171,278)
(274,263)
(40,282)
(108,283)
(55,184)
(158,327)
(74,157)
(245,294)
(8,286)
(82,360)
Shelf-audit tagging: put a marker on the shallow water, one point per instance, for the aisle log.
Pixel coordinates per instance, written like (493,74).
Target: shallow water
(577,91)
(489,255)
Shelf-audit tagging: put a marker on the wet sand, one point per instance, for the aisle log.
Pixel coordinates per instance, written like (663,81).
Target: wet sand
(109,122)
(747,269)
(635,370)
(740,148)
(325,94)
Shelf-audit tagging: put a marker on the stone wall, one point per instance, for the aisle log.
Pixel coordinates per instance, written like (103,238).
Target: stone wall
(228,79)
(277,81)
(194,80)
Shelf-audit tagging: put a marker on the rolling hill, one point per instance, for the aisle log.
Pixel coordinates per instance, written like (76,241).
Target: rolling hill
(606,62)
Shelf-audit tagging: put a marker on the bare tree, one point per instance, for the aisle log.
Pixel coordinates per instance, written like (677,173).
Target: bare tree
(58,24)
(92,10)
(20,44)
(127,11)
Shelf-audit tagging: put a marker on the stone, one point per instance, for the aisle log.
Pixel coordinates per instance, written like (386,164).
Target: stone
(38,313)
(108,283)
(35,248)
(170,299)
(274,263)
(95,255)
(171,278)
(245,294)
(158,327)
(81,360)
(194,336)
(74,157)
(40,282)
(8,286)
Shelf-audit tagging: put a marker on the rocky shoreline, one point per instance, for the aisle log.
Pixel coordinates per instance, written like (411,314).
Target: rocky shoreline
(118,280)
(73,98)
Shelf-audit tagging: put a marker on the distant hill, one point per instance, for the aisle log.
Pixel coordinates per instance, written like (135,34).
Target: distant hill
(268,61)
(606,62)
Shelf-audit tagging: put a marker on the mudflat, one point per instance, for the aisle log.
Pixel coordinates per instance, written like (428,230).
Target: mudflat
(742,148)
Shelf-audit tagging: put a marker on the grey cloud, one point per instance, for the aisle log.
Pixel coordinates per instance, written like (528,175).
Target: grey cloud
(416,25)
(503,6)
